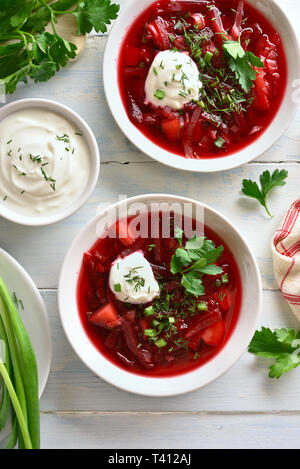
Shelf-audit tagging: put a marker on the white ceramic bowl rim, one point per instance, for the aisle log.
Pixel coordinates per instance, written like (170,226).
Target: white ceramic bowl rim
(278,126)
(137,384)
(72,116)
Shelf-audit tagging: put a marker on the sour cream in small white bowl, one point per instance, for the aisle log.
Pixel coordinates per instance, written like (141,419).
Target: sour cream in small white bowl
(49,162)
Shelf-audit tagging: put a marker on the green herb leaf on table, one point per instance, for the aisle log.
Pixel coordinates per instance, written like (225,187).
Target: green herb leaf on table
(283,345)
(268,182)
(241,63)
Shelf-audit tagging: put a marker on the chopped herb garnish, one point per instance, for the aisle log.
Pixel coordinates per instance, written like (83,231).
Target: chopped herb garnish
(134,279)
(242,63)
(196,259)
(160,343)
(183,94)
(208,56)
(149,311)
(220,142)
(225,278)
(159,94)
(18,302)
(64,138)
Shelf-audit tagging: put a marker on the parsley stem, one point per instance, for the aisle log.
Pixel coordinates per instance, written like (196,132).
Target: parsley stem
(56,12)
(267,210)
(52,18)
(26,46)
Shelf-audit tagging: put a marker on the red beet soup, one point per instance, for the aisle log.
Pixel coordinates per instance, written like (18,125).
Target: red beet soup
(241,67)
(189,320)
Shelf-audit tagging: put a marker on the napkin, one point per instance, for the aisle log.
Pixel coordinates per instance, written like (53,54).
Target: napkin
(286,257)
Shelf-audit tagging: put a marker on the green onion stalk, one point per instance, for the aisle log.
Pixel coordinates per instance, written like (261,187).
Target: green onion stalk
(23,389)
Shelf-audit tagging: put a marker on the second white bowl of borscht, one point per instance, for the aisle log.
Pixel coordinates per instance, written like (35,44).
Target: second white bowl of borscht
(202,85)
(159,295)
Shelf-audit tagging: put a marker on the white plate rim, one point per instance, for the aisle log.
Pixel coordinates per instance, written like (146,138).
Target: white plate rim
(30,285)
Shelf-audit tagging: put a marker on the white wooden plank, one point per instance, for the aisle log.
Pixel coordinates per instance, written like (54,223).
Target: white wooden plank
(175,431)
(245,387)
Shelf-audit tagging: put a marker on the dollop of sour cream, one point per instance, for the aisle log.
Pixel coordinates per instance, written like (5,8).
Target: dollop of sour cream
(44,162)
(131,279)
(173,80)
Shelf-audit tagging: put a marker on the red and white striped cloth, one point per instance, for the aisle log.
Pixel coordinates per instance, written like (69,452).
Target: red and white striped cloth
(286,257)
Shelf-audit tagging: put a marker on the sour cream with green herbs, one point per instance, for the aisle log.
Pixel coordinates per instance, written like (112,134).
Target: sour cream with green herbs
(44,162)
(173,80)
(131,279)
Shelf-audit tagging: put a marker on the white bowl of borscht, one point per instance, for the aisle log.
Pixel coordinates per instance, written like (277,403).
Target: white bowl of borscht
(202,85)
(159,295)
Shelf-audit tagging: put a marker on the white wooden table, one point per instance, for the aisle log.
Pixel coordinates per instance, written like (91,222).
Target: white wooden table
(242,409)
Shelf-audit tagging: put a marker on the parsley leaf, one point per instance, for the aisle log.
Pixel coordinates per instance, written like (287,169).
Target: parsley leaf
(194,260)
(234,49)
(192,284)
(38,54)
(195,243)
(180,260)
(283,345)
(94,14)
(178,234)
(241,63)
(268,182)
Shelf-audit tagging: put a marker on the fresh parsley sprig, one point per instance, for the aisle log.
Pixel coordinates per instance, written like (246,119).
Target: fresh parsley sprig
(283,345)
(241,62)
(194,260)
(34,53)
(267,181)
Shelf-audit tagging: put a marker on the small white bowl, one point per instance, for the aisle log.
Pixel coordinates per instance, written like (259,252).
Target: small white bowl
(87,133)
(170,386)
(280,123)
